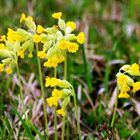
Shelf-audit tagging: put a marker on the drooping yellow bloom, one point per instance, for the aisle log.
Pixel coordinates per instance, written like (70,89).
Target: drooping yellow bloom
(9,70)
(40,29)
(57,15)
(30,55)
(2,46)
(23,18)
(123,95)
(41,54)
(122,80)
(52,101)
(10,35)
(124,90)
(51,82)
(61,59)
(71,24)
(21,53)
(63,44)
(36,38)
(57,93)
(29,18)
(81,38)
(136,87)
(3,38)
(13,36)
(61,112)
(1,67)
(54,61)
(73,47)
(134,69)
(51,63)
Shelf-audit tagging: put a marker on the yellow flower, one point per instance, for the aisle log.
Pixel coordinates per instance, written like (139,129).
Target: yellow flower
(51,82)
(136,87)
(123,95)
(81,38)
(30,55)
(1,67)
(61,112)
(23,18)
(52,101)
(36,38)
(57,93)
(10,35)
(41,54)
(3,38)
(134,69)
(71,24)
(29,18)
(63,44)
(51,63)
(61,59)
(40,29)
(57,15)
(2,46)
(9,70)
(121,79)
(21,53)
(13,36)
(73,47)
(124,90)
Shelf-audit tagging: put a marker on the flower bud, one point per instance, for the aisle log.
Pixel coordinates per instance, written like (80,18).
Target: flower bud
(64,84)
(70,37)
(62,24)
(66,101)
(6,61)
(24,34)
(28,45)
(125,68)
(68,30)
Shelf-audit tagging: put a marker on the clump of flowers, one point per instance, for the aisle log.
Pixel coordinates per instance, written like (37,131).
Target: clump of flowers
(62,91)
(52,44)
(126,79)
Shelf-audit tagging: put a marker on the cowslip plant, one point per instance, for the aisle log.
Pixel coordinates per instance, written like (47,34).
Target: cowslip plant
(61,41)
(126,82)
(10,51)
(55,42)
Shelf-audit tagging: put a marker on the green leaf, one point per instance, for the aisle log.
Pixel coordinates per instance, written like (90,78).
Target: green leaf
(29,133)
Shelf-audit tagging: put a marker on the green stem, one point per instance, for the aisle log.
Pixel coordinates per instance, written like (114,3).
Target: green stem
(55,114)
(20,88)
(65,78)
(67,131)
(42,91)
(76,112)
(115,108)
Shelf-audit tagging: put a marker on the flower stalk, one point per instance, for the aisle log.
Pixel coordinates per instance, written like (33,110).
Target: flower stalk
(20,88)
(42,91)
(115,108)
(55,114)
(65,78)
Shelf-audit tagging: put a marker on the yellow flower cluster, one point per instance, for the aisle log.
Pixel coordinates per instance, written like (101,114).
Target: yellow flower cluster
(56,95)
(54,61)
(63,94)
(125,81)
(41,54)
(54,42)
